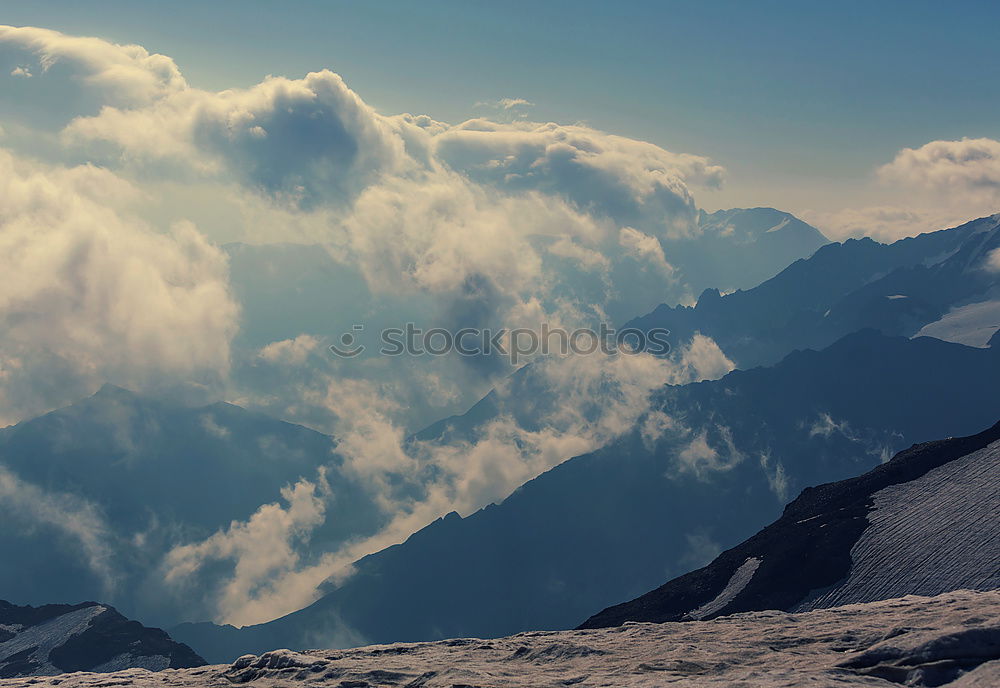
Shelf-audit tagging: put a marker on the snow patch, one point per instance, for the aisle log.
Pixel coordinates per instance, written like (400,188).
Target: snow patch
(778,227)
(933,534)
(739,580)
(971,325)
(47,636)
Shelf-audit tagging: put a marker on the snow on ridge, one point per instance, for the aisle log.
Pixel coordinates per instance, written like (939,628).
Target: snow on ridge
(739,580)
(936,533)
(42,638)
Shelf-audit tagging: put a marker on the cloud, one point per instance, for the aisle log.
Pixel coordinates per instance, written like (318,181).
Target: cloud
(290,351)
(644,248)
(702,459)
(935,186)
(702,359)
(78,520)
(634,183)
(505,103)
(965,165)
(91,294)
(73,75)
(993,260)
(882,223)
(269,578)
(825,426)
(777,478)
(415,203)
(303,141)
(562,407)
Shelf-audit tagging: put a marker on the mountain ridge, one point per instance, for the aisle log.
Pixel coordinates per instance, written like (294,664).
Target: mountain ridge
(808,549)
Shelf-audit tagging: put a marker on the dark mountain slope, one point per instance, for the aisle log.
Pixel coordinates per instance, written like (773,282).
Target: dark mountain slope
(944,537)
(60,638)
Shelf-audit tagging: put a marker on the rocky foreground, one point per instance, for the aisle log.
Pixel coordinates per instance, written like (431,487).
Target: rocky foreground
(952,639)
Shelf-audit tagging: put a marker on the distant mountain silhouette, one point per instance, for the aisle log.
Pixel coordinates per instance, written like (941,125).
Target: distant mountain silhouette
(610,525)
(741,247)
(924,523)
(61,638)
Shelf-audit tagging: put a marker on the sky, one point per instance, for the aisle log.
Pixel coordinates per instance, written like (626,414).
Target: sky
(801,102)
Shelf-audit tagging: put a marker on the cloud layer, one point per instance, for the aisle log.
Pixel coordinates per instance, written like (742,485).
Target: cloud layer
(91,294)
(940,184)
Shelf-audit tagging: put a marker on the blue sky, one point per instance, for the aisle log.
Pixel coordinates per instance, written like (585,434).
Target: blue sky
(799,101)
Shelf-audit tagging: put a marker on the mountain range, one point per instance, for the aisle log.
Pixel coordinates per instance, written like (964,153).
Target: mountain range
(708,466)
(838,372)
(936,283)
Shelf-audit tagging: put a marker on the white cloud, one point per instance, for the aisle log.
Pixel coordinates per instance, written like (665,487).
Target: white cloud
(965,165)
(566,407)
(644,248)
(290,351)
(654,426)
(269,578)
(938,185)
(825,426)
(505,103)
(91,294)
(993,260)
(882,223)
(702,459)
(413,202)
(73,75)
(777,479)
(302,141)
(632,182)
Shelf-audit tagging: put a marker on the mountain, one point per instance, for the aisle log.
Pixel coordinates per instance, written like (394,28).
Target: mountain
(60,638)
(741,247)
(937,284)
(948,640)
(98,492)
(707,467)
(899,289)
(924,523)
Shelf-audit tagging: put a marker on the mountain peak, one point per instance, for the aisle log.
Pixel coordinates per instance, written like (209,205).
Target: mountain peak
(111,391)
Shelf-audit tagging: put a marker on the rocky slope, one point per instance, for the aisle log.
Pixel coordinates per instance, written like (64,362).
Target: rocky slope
(952,639)
(58,638)
(924,523)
